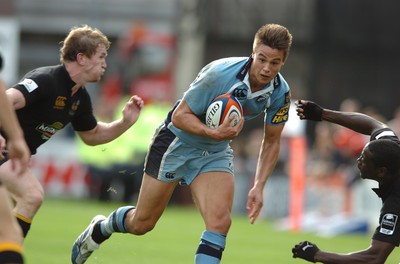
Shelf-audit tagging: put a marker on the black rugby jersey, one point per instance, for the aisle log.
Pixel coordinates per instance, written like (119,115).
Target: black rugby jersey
(50,106)
(389,222)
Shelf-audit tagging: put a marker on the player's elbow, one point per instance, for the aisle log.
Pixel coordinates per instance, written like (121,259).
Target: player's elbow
(91,137)
(88,140)
(176,119)
(90,143)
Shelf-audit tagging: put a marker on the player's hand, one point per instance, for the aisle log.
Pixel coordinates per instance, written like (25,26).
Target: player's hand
(19,155)
(2,147)
(254,203)
(308,110)
(132,109)
(227,132)
(305,250)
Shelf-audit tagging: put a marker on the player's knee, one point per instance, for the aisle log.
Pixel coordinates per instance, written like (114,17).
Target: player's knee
(224,224)
(221,224)
(34,197)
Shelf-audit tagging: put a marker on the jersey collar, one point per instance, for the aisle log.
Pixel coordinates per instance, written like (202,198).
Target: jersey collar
(67,77)
(386,189)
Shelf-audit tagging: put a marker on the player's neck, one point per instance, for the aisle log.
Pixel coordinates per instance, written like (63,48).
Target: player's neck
(75,89)
(75,75)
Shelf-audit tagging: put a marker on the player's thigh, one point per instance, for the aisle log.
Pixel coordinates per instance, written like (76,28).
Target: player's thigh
(154,197)
(19,185)
(213,194)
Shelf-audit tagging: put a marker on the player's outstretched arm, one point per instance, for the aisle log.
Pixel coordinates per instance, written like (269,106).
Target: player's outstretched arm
(106,132)
(358,122)
(376,253)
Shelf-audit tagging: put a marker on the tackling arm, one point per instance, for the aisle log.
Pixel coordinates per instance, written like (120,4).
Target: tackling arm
(106,132)
(377,253)
(358,122)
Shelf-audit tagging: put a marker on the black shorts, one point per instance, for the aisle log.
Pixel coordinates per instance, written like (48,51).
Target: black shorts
(161,142)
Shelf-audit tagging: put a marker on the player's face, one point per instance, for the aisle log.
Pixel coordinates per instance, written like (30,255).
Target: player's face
(267,62)
(365,165)
(96,65)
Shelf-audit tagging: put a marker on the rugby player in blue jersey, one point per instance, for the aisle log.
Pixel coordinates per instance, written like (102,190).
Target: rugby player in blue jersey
(185,150)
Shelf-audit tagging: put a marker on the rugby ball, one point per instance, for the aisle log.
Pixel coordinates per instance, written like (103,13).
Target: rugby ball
(221,108)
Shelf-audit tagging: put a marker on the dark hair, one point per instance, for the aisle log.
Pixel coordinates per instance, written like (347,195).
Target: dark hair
(275,36)
(1,62)
(84,40)
(385,153)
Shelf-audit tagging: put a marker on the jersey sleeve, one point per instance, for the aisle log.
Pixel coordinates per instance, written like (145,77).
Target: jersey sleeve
(84,119)
(33,87)
(278,112)
(204,89)
(389,224)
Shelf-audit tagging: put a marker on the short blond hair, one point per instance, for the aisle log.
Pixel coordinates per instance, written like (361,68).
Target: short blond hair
(84,40)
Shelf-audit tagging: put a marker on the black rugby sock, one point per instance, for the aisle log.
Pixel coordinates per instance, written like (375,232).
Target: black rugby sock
(24,223)
(10,253)
(97,236)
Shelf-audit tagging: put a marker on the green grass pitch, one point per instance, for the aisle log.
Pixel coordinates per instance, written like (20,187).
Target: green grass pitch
(174,239)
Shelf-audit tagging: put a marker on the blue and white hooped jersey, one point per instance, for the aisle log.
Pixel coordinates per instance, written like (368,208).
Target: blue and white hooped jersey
(230,75)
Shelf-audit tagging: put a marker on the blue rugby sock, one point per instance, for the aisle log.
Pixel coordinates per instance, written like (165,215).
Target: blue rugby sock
(210,249)
(115,222)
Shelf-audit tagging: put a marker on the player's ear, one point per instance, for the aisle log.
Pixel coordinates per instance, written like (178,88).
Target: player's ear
(80,59)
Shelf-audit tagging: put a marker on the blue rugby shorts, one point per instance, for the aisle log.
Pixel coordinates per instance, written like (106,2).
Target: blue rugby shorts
(169,159)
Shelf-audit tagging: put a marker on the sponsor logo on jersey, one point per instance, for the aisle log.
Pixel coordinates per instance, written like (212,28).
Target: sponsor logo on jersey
(47,130)
(282,115)
(60,102)
(29,84)
(170,175)
(240,93)
(388,224)
(75,105)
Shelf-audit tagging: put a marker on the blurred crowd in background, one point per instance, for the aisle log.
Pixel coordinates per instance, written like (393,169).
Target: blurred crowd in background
(157,49)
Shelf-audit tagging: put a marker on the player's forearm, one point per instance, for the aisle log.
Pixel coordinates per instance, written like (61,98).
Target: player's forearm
(8,118)
(104,132)
(351,258)
(188,122)
(266,162)
(358,122)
